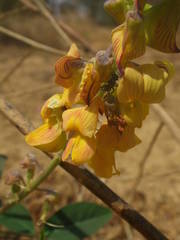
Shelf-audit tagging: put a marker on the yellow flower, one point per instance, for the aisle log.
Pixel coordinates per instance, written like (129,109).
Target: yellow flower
(134,113)
(117,9)
(80,148)
(109,140)
(161,26)
(90,83)
(81,81)
(145,83)
(50,136)
(69,70)
(128,41)
(53,107)
(83,120)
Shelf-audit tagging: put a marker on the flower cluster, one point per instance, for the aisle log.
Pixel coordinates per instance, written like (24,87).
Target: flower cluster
(106,98)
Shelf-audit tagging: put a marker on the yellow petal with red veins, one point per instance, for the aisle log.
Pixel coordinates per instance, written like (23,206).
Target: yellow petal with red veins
(161,25)
(134,113)
(68,69)
(83,119)
(49,138)
(155,80)
(68,150)
(90,83)
(117,9)
(83,149)
(131,86)
(74,51)
(128,41)
(71,95)
(52,106)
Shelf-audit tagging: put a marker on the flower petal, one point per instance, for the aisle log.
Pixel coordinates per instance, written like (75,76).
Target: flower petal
(83,119)
(117,9)
(68,69)
(127,140)
(68,149)
(90,83)
(128,41)
(106,143)
(107,137)
(83,149)
(131,86)
(74,51)
(161,25)
(155,80)
(71,95)
(102,163)
(134,113)
(49,138)
(52,106)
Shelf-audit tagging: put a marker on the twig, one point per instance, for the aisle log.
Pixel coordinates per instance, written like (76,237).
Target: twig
(29,4)
(76,37)
(90,181)
(30,42)
(167,119)
(16,66)
(145,158)
(53,22)
(62,28)
(12,12)
(35,183)
(30,91)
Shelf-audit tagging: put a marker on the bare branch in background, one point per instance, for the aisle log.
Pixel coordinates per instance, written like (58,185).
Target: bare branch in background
(12,12)
(30,42)
(167,119)
(29,4)
(43,9)
(76,37)
(91,182)
(16,66)
(145,158)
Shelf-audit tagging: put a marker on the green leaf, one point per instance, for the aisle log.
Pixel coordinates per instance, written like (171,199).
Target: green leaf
(3,158)
(17,219)
(161,24)
(77,221)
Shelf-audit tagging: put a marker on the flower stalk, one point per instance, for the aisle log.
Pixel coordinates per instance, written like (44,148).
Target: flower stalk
(34,183)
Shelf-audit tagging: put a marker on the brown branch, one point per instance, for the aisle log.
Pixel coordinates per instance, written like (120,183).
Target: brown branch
(76,36)
(167,119)
(43,9)
(91,182)
(29,91)
(12,12)
(62,28)
(29,4)
(145,158)
(30,42)
(16,66)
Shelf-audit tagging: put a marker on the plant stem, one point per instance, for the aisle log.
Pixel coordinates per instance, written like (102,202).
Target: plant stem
(35,183)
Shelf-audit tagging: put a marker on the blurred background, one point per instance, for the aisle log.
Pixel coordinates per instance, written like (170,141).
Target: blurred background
(150,182)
